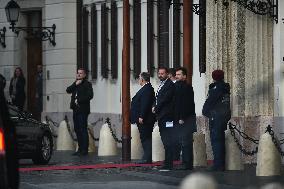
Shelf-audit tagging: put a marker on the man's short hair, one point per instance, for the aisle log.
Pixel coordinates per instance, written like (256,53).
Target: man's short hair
(164,68)
(183,70)
(83,69)
(145,76)
(172,71)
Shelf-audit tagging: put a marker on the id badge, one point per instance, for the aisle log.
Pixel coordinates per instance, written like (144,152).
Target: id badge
(169,124)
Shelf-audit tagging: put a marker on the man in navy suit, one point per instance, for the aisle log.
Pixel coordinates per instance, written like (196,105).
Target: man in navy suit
(163,108)
(142,115)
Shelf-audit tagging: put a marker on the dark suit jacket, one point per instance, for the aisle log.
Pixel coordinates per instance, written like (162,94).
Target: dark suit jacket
(184,101)
(84,95)
(165,101)
(141,105)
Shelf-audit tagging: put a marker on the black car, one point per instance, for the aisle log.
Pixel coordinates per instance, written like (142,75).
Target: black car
(34,138)
(9,174)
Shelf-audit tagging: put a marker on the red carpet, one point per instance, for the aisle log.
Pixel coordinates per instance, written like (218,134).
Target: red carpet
(97,166)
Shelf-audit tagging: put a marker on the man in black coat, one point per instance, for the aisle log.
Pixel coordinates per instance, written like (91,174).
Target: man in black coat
(142,115)
(185,118)
(163,108)
(82,93)
(217,109)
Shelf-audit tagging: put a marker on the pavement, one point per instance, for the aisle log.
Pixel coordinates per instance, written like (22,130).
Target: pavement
(72,172)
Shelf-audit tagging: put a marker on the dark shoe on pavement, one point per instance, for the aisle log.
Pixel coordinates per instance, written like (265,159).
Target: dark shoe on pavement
(84,153)
(76,153)
(166,168)
(143,161)
(185,167)
(214,168)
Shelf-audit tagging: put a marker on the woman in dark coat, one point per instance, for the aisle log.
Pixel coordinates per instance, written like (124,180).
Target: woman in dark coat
(17,89)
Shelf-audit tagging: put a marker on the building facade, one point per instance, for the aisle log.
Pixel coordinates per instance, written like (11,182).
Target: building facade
(247,46)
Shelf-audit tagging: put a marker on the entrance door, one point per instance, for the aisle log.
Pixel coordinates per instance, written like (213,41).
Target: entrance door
(34,58)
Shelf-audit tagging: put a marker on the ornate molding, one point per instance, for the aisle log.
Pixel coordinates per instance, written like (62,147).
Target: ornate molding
(260,7)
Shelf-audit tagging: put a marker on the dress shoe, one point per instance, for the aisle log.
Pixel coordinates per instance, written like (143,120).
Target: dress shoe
(83,153)
(76,153)
(143,161)
(185,167)
(214,168)
(166,168)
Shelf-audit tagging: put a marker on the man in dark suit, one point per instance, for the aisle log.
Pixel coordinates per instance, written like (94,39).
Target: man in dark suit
(142,115)
(163,108)
(82,93)
(185,118)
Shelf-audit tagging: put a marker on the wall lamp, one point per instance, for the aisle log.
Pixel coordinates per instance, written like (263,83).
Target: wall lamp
(44,33)
(2,37)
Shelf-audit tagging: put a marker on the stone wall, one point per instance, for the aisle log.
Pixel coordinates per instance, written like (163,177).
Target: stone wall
(241,43)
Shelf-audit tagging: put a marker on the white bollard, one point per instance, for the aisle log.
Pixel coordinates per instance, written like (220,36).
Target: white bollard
(273,186)
(268,158)
(136,146)
(107,144)
(233,153)
(64,139)
(92,146)
(199,150)
(158,151)
(198,181)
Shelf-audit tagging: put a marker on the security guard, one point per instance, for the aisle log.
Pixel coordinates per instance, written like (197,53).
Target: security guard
(217,109)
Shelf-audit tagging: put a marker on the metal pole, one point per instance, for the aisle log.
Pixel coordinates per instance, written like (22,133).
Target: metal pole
(126,134)
(187,38)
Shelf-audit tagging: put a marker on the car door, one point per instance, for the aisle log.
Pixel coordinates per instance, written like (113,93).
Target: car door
(24,130)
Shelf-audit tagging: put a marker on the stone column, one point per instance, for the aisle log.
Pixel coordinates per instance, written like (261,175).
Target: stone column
(240,43)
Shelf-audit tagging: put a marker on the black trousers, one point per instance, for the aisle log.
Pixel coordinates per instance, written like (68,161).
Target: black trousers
(167,136)
(185,139)
(81,130)
(217,136)
(145,131)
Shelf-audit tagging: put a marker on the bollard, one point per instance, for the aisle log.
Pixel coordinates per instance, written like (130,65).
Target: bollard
(64,139)
(107,144)
(199,150)
(92,146)
(233,154)
(136,146)
(268,158)
(158,151)
(198,181)
(272,186)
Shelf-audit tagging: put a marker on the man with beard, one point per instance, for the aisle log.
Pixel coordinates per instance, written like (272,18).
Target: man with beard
(185,118)
(163,108)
